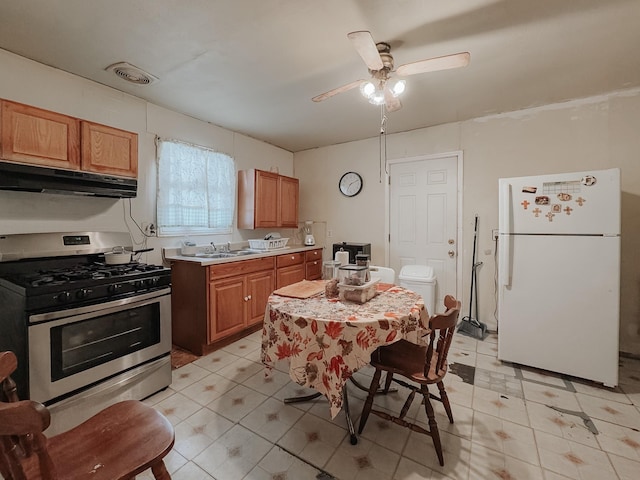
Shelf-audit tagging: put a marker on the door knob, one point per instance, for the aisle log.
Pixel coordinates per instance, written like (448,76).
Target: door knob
(451,253)
(451,241)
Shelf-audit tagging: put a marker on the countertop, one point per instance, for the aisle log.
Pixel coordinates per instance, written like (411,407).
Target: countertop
(173,255)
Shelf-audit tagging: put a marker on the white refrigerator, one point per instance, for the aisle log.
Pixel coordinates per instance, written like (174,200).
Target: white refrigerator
(559,273)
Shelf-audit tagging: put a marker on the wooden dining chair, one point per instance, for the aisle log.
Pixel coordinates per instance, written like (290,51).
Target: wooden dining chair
(118,443)
(423,365)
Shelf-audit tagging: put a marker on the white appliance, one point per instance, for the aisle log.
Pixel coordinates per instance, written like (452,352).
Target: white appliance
(559,273)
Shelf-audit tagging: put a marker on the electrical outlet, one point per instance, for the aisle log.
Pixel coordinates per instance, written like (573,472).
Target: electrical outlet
(149,229)
(329,233)
(494,234)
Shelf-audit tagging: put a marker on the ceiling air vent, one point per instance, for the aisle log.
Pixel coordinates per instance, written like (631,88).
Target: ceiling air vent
(131,73)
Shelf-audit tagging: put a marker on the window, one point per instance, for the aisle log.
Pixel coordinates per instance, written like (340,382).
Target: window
(196,189)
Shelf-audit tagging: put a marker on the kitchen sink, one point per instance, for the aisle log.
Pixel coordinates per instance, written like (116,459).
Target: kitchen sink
(209,255)
(229,254)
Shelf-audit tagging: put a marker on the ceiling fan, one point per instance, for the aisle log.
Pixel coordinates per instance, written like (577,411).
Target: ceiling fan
(382,88)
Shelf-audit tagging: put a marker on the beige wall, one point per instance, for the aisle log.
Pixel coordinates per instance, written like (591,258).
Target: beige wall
(44,87)
(593,133)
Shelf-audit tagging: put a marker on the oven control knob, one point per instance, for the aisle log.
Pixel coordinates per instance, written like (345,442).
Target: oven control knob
(152,282)
(63,297)
(138,284)
(83,293)
(114,288)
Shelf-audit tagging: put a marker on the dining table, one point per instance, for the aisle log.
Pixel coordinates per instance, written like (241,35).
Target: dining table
(325,340)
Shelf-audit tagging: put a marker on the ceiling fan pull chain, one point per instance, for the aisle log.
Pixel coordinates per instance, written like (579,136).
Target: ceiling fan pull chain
(383,121)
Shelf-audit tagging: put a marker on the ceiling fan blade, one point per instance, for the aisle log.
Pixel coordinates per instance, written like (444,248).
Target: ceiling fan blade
(335,91)
(366,48)
(434,64)
(391,103)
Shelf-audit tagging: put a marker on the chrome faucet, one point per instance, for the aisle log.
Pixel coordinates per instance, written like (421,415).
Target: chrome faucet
(214,247)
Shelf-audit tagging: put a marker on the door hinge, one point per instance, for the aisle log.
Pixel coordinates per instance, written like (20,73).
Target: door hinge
(389,238)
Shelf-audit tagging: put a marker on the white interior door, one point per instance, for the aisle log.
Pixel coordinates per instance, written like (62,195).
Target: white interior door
(423,218)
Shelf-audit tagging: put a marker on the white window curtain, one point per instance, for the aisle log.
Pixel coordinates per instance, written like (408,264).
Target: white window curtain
(196,189)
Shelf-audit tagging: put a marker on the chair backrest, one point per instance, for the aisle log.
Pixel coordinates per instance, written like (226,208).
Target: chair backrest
(21,427)
(443,326)
(385,274)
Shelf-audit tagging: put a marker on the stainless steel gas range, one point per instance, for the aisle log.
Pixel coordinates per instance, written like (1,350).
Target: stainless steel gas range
(86,333)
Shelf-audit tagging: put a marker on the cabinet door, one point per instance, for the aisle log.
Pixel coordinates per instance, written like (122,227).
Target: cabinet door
(39,137)
(109,150)
(313,270)
(288,275)
(288,202)
(259,287)
(266,199)
(227,307)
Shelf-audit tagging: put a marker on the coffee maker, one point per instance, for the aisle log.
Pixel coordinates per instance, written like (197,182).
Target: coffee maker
(308,235)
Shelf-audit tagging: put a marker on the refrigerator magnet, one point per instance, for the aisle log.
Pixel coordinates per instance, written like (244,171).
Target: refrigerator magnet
(544,200)
(564,197)
(556,208)
(529,189)
(588,180)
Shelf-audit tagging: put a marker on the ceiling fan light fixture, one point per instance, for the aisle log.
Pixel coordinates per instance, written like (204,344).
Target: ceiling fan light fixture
(398,87)
(377,97)
(367,89)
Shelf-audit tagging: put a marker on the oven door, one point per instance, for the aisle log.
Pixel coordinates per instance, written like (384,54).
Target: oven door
(74,349)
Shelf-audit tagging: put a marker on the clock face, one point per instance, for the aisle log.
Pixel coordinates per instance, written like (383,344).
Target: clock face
(350,184)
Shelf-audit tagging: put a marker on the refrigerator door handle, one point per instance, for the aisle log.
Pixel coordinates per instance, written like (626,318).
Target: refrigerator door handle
(505,231)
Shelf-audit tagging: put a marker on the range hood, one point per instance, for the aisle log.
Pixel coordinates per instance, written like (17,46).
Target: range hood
(28,178)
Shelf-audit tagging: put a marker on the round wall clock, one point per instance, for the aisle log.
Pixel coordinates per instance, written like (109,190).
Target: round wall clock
(350,184)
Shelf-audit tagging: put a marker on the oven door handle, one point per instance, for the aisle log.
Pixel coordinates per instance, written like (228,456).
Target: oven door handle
(98,308)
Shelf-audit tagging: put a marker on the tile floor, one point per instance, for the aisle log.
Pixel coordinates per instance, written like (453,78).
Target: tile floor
(510,423)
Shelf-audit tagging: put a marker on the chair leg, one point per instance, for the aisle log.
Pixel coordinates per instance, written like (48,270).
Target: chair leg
(159,471)
(445,401)
(369,401)
(433,425)
(387,382)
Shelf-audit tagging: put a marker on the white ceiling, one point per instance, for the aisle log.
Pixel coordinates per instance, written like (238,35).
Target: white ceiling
(252,66)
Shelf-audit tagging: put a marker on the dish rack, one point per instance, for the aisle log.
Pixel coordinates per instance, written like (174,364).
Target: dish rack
(266,245)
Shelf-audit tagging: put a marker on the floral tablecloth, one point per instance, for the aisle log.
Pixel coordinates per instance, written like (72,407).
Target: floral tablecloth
(327,340)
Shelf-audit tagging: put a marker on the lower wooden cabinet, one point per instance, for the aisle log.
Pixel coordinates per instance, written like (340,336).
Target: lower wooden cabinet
(239,302)
(313,264)
(211,303)
(214,302)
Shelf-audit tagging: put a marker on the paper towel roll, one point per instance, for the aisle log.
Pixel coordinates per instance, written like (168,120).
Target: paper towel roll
(342,257)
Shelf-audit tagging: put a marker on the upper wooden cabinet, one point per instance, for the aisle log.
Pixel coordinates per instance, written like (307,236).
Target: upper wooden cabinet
(109,150)
(288,194)
(267,200)
(39,137)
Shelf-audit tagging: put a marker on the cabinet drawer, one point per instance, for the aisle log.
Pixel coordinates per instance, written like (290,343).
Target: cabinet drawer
(240,267)
(289,259)
(312,255)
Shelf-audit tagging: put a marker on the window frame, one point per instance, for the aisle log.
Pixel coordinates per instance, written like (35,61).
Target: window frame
(182,230)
